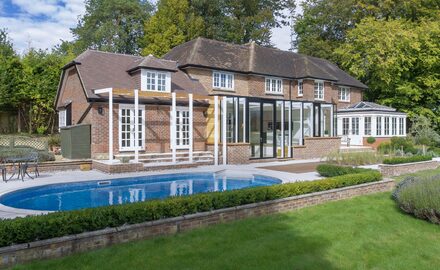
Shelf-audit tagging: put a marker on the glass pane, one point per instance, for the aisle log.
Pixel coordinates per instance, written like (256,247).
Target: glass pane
(326,120)
(308,119)
(241,119)
(278,133)
(267,130)
(254,128)
(296,123)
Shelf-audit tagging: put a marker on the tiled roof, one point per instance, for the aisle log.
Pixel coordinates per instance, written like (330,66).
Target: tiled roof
(253,58)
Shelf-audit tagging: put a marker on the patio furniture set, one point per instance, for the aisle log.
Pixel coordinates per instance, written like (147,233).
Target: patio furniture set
(19,166)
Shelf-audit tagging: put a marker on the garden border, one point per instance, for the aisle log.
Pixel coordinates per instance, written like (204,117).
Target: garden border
(390,170)
(67,245)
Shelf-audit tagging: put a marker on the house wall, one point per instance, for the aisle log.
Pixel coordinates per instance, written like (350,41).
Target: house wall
(73,91)
(157,129)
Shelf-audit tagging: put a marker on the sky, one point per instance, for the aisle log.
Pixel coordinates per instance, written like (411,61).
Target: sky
(42,24)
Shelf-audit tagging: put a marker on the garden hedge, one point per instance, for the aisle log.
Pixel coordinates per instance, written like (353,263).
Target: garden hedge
(330,170)
(33,228)
(409,159)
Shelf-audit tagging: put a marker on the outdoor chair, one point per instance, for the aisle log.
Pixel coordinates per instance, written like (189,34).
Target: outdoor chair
(32,162)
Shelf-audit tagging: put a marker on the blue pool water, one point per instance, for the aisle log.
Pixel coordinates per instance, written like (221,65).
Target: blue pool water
(70,196)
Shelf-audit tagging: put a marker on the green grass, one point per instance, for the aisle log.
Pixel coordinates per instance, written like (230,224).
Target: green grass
(426,173)
(367,232)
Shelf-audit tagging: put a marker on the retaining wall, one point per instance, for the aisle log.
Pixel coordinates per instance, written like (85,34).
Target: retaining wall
(388,170)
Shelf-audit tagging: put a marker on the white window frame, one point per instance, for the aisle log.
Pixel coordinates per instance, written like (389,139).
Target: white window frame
(394,126)
(401,125)
(62,118)
(300,88)
(153,75)
(379,129)
(344,94)
(217,82)
(387,126)
(345,126)
(181,138)
(367,125)
(274,85)
(142,130)
(355,126)
(318,91)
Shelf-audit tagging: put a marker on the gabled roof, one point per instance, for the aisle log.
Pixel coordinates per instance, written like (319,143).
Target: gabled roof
(256,59)
(367,106)
(99,70)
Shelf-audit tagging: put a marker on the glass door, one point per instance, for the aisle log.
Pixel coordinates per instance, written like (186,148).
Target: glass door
(255,128)
(262,129)
(268,130)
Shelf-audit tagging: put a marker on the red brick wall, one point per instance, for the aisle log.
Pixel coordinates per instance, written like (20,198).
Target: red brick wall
(72,90)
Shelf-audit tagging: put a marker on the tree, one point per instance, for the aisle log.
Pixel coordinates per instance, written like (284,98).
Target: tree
(324,23)
(112,25)
(400,62)
(422,131)
(171,25)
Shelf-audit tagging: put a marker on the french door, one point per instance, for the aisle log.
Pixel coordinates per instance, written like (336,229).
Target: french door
(262,129)
(182,128)
(127,127)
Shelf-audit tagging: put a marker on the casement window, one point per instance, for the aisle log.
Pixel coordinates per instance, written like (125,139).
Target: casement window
(345,125)
(378,126)
(274,86)
(155,81)
(127,127)
(401,125)
(319,90)
(367,125)
(394,126)
(387,126)
(344,94)
(182,128)
(223,80)
(300,88)
(62,118)
(355,125)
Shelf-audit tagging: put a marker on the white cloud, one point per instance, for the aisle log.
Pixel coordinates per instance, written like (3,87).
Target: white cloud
(42,23)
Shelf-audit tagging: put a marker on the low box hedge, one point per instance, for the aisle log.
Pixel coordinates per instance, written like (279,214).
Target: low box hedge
(409,159)
(33,228)
(330,170)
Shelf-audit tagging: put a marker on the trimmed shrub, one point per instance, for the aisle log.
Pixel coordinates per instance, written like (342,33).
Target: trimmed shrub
(409,159)
(420,196)
(33,228)
(371,140)
(330,170)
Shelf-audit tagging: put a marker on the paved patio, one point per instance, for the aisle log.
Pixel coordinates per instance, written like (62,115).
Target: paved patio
(266,168)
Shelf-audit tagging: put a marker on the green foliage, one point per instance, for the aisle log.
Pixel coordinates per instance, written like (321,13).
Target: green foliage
(410,159)
(32,228)
(399,60)
(112,25)
(330,170)
(54,140)
(353,158)
(420,196)
(19,152)
(371,140)
(422,131)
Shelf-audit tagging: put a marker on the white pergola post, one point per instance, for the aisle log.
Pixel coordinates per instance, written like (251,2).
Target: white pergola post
(110,119)
(289,151)
(224,145)
(216,130)
(282,130)
(136,125)
(301,124)
(236,119)
(190,108)
(173,126)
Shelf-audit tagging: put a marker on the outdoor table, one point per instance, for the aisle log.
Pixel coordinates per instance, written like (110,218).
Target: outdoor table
(20,164)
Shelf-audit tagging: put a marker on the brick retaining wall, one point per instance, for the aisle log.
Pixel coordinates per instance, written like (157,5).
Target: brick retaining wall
(388,170)
(317,147)
(63,246)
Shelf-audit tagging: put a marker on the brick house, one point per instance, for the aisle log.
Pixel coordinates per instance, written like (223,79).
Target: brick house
(205,98)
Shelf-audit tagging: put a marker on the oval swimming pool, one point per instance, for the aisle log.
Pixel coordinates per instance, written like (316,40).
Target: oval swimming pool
(77,195)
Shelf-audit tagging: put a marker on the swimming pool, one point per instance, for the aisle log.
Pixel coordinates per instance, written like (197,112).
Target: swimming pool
(77,195)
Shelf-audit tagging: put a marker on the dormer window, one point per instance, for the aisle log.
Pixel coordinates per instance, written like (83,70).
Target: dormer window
(274,86)
(223,80)
(152,80)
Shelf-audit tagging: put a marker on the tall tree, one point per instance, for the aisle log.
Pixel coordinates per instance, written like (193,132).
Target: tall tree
(112,25)
(172,24)
(323,25)
(400,62)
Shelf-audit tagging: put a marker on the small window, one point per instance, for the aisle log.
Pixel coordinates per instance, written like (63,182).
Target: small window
(378,126)
(367,125)
(344,94)
(394,126)
(319,90)
(300,88)
(223,80)
(274,86)
(401,125)
(345,125)
(355,125)
(387,126)
(62,119)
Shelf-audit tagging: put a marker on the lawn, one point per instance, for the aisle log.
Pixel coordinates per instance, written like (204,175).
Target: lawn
(366,232)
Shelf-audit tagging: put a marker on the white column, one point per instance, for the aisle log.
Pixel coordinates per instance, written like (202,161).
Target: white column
(136,125)
(404,125)
(110,125)
(173,125)
(244,121)
(224,111)
(236,100)
(332,122)
(215,130)
(191,139)
(282,130)
(373,126)
(290,130)
(301,123)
